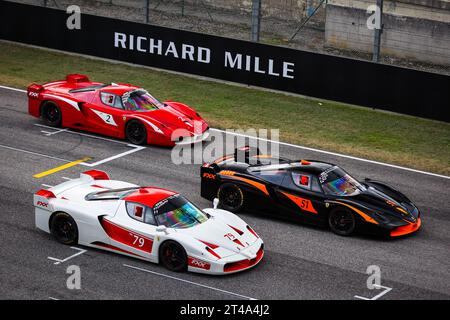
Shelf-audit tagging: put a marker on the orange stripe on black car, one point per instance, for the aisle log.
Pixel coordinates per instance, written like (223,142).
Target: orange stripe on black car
(304,204)
(258,185)
(362,214)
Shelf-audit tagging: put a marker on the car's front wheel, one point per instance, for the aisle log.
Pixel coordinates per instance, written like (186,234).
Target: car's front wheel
(64,228)
(136,132)
(342,221)
(51,114)
(173,256)
(231,197)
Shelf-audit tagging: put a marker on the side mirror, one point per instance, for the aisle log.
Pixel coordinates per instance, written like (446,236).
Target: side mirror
(215,203)
(161,229)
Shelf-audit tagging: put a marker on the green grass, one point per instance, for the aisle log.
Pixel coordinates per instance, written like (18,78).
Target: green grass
(398,139)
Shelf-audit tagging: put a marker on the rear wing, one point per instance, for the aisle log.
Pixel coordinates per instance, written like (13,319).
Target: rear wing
(77,78)
(42,198)
(243,154)
(34,89)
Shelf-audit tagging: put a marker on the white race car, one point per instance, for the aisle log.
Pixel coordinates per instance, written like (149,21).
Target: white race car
(149,223)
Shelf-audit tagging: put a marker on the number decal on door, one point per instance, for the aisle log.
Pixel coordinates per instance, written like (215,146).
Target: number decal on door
(107,118)
(138,241)
(127,237)
(304,204)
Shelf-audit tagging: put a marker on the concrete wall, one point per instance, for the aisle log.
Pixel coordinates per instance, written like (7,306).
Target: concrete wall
(281,9)
(413,29)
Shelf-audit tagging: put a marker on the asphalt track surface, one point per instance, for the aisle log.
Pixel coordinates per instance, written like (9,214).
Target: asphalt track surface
(301,262)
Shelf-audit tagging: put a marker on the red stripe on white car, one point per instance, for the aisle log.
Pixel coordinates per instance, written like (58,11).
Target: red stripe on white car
(212,246)
(108,246)
(197,263)
(237,230)
(127,237)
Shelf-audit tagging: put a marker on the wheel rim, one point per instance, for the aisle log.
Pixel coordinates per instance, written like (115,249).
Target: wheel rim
(342,221)
(231,197)
(135,132)
(173,256)
(64,230)
(52,114)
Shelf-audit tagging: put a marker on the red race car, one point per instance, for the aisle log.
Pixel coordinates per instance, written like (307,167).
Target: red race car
(116,110)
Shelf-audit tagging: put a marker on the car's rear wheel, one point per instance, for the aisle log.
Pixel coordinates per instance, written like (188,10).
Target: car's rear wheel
(173,256)
(51,114)
(64,228)
(231,197)
(342,221)
(136,132)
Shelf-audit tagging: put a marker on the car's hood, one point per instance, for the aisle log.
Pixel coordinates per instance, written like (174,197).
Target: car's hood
(384,204)
(218,233)
(172,119)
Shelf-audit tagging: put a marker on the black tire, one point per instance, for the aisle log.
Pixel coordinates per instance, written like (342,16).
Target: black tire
(173,256)
(342,221)
(51,114)
(64,228)
(135,132)
(231,197)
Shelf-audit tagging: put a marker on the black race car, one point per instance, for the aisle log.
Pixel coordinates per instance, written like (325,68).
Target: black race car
(308,191)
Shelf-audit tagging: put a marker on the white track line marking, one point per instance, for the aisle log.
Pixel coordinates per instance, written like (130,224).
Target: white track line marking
(13,89)
(65,178)
(83,134)
(386,290)
(190,282)
(120,155)
(47,133)
(58,261)
(51,298)
(46,185)
(311,149)
(335,154)
(34,153)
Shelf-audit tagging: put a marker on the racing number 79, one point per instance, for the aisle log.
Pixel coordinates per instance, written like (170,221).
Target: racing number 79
(138,241)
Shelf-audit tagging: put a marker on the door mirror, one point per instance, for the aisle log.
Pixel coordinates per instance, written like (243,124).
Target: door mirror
(161,229)
(215,203)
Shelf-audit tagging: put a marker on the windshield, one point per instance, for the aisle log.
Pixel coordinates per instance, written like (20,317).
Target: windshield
(177,212)
(336,181)
(140,100)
